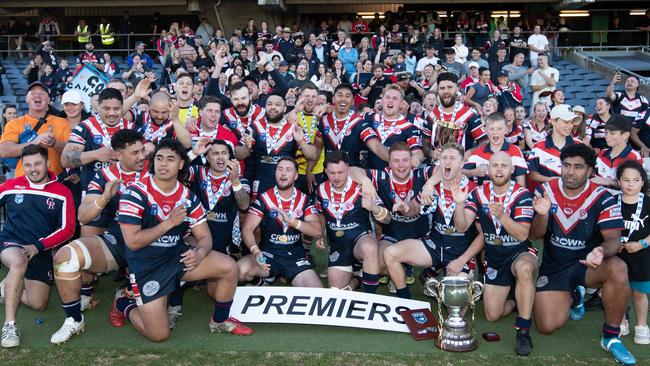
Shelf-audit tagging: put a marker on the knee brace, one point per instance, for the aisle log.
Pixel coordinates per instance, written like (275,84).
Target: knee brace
(79,259)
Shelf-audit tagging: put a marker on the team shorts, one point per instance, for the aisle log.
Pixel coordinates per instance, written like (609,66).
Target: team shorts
(40,267)
(286,267)
(499,273)
(115,244)
(159,281)
(440,258)
(566,279)
(341,253)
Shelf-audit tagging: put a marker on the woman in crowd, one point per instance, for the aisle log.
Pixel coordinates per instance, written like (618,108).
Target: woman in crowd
(536,129)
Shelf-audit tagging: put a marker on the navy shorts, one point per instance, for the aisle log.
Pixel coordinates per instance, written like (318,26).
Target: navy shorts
(286,267)
(565,279)
(341,252)
(116,245)
(160,281)
(440,258)
(40,267)
(499,272)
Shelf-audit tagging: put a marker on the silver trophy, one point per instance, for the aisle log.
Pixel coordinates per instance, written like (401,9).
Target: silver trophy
(456,293)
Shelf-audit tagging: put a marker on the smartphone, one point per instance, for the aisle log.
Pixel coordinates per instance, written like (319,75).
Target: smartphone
(491,337)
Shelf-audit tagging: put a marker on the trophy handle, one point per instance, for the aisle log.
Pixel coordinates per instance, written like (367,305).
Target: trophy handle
(431,288)
(477,291)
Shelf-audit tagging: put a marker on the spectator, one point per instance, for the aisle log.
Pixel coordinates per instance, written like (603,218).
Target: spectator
(28,39)
(508,93)
(395,40)
(34,69)
(312,61)
(106,33)
(360,25)
(164,45)
(9,112)
(285,43)
(46,50)
(109,67)
(536,128)
(543,79)
(476,57)
(139,50)
(339,71)
(380,38)
(452,65)
(502,27)
(336,45)
(349,56)
(284,71)
(482,29)
(376,84)
(437,42)
(63,76)
(88,57)
(375,23)
(53,133)
(83,32)
(48,25)
(345,24)
(205,29)
(461,51)
(172,64)
(250,32)
(49,80)
(264,32)
(428,59)
(410,60)
(269,52)
(302,76)
(517,42)
(125,27)
(321,51)
(498,63)
(296,53)
(517,72)
(496,43)
(479,92)
(472,77)
(319,75)
(154,25)
(203,59)
(537,43)
(15,29)
(137,71)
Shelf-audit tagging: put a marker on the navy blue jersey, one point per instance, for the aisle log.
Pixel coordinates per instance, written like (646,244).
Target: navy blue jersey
(349,134)
(544,158)
(575,223)
(518,205)
(343,212)
(218,200)
(463,124)
(280,239)
(93,134)
(41,215)
(240,126)
(151,131)
(391,192)
(271,144)
(145,205)
(390,132)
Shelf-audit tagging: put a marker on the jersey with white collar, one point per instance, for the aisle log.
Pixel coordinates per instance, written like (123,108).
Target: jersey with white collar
(356,134)
(390,132)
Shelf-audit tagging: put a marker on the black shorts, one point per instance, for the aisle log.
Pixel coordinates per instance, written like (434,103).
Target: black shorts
(160,281)
(286,267)
(301,183)
(440,258)
(499,273)
(116,245)
(40,267)
(638,265)
(341,252)
(565,279)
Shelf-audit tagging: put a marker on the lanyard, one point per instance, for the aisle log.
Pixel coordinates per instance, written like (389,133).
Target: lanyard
(393,191)
(276,192)
(506,201)
(271,141)
(339,207)
(383,134)
(340,134)
(213,198)
(312,127)
(448,211)
(635,217)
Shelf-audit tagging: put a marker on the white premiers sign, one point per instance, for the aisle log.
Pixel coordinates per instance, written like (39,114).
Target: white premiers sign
(300,305)
(89,81)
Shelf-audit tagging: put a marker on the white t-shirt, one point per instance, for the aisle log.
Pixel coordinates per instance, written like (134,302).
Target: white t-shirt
(537,79)
(538,41)
(426,61)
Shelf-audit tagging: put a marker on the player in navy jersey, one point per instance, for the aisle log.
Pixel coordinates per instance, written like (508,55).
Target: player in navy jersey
(390,127)
(221,190)
(40,216)
(283,214)
(617,134)
(89,144)
(443,247)
(345,208)
(274,136)
(154,215)
(477,164)
(161,121)
(580,224)
(98,253)
(452,121)
(343,129)
(504,211)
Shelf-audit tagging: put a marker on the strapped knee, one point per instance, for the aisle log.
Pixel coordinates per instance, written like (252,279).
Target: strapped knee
(79,259)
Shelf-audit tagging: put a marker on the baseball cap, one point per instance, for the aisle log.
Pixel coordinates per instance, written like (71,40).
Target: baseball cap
(563,112)
(503,73)
(619,122)
(403,76)
(473,64)
(286,30)
(579,109)
(204,68)
(39,84)
(450,51)
(284,63)
(71,96)
(320,37)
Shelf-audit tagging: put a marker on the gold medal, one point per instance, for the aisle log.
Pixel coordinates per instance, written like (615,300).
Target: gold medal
(498,241)
(283,239)
(267,159)
(448,231)
(339,233)
(211,216)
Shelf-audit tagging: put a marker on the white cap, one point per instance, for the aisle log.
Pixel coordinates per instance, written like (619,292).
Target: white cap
(71,96)
(473,64)
(563,112)
(579,109)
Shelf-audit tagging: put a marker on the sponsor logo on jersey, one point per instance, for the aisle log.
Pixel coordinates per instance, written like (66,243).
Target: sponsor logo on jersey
(567,243)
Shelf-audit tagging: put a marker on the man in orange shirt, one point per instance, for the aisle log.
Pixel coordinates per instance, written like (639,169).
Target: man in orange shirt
(53,133)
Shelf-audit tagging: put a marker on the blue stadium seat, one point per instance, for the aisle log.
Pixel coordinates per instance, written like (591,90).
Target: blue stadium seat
(574,89)
(581,72)
(593,76)
(596,89)
(585,95)
(8,99)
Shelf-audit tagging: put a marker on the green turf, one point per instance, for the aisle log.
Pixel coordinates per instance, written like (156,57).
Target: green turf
(191,343)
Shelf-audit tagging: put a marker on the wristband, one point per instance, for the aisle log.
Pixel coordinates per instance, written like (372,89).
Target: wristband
(99,206)
(191,155)
(237,187)
(253,249)
(299,223)
(643,243)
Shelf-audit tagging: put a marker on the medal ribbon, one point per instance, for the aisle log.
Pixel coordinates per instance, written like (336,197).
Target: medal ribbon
(213,198)
(339,207)
(498,226)
(273,139)
(276,192)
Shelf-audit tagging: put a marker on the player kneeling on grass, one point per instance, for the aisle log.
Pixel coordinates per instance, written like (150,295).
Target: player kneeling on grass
(154,215)
(346,207)
(580,223)
(283,214)
(102,253)
(40,216)
(504,210)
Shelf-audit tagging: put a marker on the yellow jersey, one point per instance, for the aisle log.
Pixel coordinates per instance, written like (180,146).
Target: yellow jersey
(309,126)
(191,111)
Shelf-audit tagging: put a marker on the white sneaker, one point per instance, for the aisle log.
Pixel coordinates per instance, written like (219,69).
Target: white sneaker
(642,334)
(10,336)
(173,314)
(625,327)
(2,291)
(67,330)
(88,302)
(391,287)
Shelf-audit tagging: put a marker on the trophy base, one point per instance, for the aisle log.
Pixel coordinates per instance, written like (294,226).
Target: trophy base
(458,345)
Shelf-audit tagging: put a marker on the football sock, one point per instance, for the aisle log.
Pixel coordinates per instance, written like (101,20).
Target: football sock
(370,282)
(610,332)
(125,305)
(522,324)
(176,297)
(404,293)
(73,310)
(87,289)
(221,311)
(575,298)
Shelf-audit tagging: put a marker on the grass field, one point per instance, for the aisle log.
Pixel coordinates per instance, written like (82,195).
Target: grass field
(279,344)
